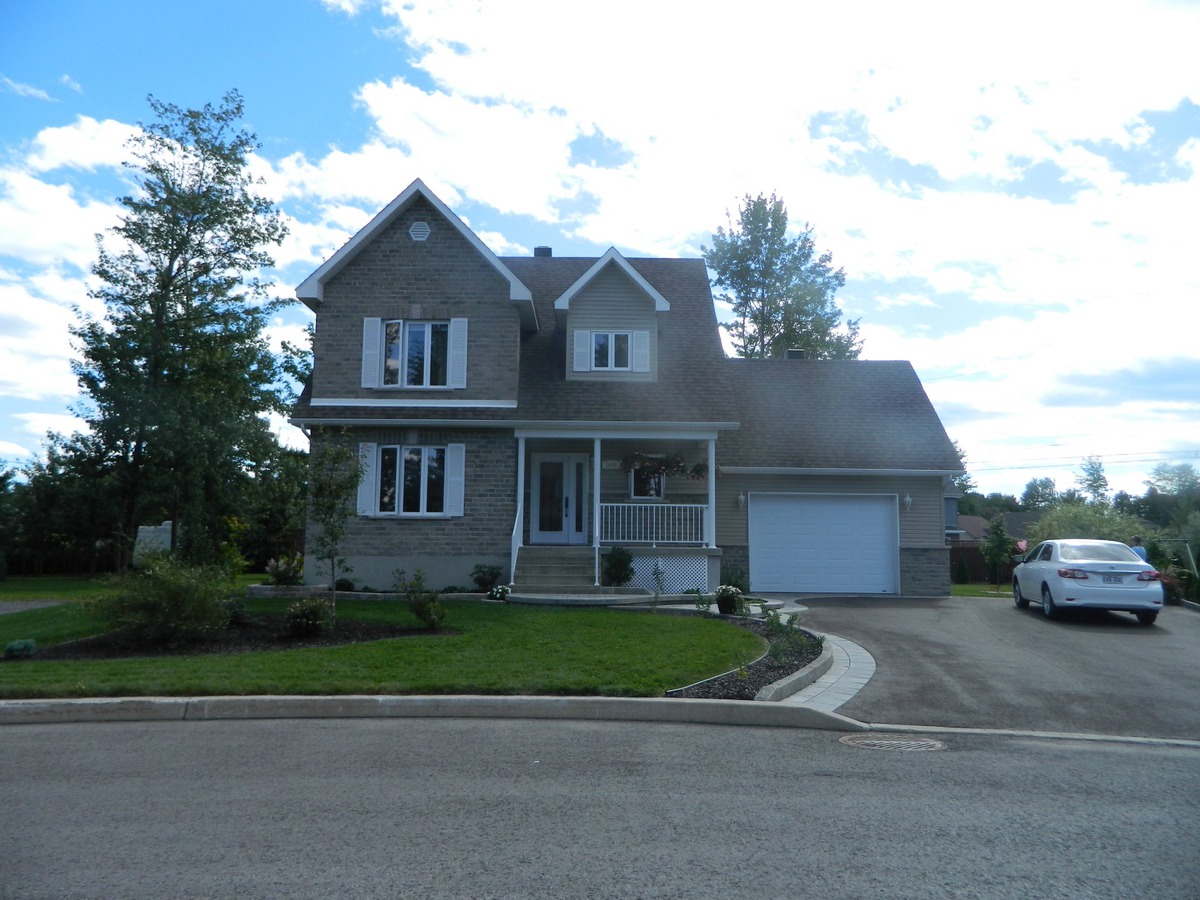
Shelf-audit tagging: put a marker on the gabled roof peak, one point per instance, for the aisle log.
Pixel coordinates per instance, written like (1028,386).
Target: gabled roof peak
(612,256)
(311,291)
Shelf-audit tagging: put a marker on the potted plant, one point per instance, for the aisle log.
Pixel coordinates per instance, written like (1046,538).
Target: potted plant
(729,599)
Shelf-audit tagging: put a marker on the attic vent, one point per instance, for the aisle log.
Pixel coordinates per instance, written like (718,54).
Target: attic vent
(419,231)
(543,251)
(795,353)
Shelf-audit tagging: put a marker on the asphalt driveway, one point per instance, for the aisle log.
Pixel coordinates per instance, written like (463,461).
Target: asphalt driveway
(982,663)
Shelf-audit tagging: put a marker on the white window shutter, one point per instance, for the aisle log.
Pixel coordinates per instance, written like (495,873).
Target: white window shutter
(458,353)
(456,478)
(639,351)
(367,492)
(583,351)
(370,352)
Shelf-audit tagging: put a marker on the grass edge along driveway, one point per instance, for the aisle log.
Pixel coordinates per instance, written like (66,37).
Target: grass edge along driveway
(494,649)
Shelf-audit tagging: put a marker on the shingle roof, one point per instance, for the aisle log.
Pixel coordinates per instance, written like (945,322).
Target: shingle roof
(792,413)
(834,414)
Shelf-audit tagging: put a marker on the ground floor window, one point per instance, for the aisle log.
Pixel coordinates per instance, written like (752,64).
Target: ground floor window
(412,480)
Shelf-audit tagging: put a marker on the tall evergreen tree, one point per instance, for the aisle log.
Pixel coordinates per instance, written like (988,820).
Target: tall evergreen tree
(178,375)
(781,291)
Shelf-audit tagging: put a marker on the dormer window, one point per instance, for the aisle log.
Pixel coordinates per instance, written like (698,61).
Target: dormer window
(610,350)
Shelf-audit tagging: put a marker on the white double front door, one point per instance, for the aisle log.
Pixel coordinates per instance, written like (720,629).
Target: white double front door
(559,513)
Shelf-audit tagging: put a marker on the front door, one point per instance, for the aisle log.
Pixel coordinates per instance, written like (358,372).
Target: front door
(560,499)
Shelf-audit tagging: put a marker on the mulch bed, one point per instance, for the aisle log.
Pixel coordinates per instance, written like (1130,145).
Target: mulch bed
(787,656)
(267,632)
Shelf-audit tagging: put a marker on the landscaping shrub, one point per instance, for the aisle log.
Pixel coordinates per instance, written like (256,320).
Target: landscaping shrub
(343,584)
(499,592)
(309,616)
(23,649)
(486,577)
(423,602)
(286,571)
(730,601)
(167,601)
(617,567)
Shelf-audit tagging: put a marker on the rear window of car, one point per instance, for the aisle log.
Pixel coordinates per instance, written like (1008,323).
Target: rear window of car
(1104,552)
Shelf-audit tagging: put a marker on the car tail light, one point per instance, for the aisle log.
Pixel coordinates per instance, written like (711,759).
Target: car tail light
(1148,576)
(1072,573)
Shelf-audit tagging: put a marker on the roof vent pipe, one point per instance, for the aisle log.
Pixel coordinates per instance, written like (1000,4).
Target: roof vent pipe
(796,353)
(543,251)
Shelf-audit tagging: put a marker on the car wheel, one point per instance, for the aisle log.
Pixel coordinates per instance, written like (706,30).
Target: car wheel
(1021,601)
(1048,606)
(1147,618)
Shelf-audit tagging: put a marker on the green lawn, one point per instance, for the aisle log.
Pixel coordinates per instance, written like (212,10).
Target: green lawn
(980,590)
(72,587)
(497,649)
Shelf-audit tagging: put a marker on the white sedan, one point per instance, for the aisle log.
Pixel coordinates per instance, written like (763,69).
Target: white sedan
(1088,575)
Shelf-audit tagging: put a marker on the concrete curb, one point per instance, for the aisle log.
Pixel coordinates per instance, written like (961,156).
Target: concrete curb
(663,710)
(798,681)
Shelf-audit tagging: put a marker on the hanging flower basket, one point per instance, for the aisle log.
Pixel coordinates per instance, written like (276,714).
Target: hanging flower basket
(671,464)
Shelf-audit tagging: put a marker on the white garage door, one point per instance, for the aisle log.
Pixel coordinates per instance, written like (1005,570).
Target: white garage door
(823,543)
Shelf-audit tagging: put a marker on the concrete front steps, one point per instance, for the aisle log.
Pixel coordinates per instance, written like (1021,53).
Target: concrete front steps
(565,576)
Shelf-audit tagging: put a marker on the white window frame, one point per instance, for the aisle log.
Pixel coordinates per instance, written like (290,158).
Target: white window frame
(610,363)
(659,480)
(371,486)
(583,350)
(375,354)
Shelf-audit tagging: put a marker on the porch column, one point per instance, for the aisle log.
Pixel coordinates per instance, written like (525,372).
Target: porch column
(516,532)
(710,514)
(596,507)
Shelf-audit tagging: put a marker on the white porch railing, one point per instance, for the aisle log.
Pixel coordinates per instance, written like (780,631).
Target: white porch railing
(652,523)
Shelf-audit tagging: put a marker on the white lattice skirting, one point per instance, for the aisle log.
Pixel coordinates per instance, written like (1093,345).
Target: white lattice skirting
(678,574)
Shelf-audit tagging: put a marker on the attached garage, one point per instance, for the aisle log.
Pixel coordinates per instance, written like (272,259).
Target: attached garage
(824,543)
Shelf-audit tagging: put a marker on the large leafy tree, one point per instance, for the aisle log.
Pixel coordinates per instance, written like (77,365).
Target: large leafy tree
(780,289)
(1039,493)
(177,374)
(1092,480)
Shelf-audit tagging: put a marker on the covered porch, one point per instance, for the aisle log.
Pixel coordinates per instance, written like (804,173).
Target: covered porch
(649,490)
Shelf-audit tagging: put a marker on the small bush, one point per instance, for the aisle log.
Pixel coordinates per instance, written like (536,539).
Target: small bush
(736,576)
(617,567)
(486,577)
(499,592)
(23,649)
(286,571)
(167,602)
(308,617)
(423,602)
(343,584)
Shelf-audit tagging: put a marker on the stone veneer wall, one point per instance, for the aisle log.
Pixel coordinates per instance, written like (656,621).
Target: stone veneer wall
(445,549)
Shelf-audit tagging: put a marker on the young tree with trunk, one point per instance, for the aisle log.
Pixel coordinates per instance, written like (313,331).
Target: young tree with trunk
(781,291)
(177,374)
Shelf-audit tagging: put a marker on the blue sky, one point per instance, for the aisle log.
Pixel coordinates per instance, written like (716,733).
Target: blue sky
(1011,188)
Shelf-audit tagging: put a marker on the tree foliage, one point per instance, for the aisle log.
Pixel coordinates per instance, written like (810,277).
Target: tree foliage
(1084,520)
(335,471)
(780,289)
(177,374)
(1092,481)
(997,546)
(963,481)
(1039,493)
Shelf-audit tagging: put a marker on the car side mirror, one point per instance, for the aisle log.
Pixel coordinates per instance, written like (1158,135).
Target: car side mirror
(1018,558)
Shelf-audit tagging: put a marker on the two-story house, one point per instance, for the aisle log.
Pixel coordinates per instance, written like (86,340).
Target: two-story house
(532,412)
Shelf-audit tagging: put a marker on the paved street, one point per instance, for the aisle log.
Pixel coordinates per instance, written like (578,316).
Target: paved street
(983,663)
(511,808)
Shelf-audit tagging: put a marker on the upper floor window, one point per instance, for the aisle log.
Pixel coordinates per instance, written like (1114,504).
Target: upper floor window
(610,350)
(416,354)
(402,353)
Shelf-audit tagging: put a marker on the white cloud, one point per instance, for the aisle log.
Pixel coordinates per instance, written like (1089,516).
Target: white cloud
(86,144)
(46,224)
(68,82)
(23,90)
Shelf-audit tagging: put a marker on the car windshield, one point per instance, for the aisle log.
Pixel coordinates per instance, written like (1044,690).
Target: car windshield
(1104,552)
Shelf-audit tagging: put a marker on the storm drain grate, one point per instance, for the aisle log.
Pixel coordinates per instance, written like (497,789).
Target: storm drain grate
(875,742)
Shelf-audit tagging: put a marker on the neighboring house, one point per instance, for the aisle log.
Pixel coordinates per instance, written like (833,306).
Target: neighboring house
(531,412)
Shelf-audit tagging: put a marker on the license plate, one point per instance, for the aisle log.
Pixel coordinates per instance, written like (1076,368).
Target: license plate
(1112,579)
